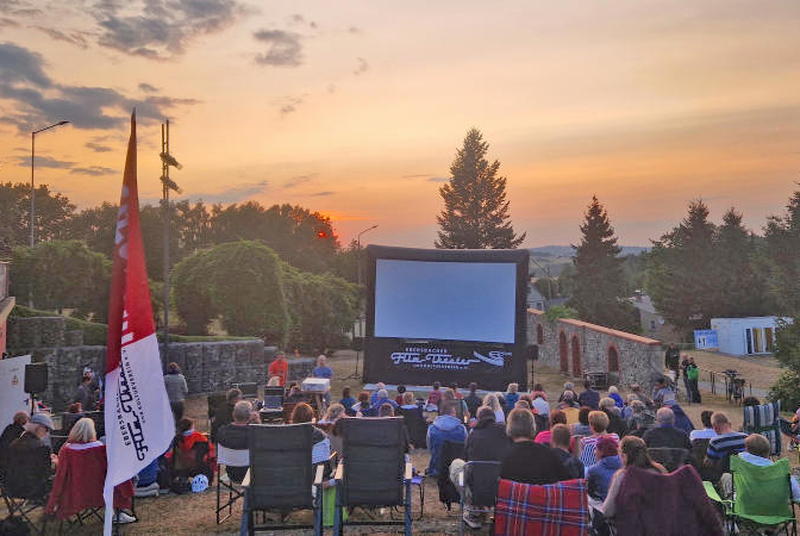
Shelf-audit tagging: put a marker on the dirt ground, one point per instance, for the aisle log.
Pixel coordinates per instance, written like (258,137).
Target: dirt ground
(193,514)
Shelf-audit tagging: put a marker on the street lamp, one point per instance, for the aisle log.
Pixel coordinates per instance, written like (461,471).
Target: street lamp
(33,191)
(358,241)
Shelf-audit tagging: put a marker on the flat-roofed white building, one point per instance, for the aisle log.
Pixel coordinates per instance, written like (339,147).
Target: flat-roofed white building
(752,335)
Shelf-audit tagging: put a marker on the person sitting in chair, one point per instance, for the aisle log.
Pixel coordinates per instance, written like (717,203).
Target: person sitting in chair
(11,432)
(304,413)
(234,436)
(665,434)
(757,452)
(560,442)
(526,461)
(446,427)
(191,453)
(224,413)
(30,462)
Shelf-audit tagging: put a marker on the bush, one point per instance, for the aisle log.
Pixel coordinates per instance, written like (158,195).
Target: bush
(189,288)
(787,390)
(560,311)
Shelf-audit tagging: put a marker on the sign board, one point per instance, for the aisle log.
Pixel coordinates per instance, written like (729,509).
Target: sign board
(706,339)
(13,397)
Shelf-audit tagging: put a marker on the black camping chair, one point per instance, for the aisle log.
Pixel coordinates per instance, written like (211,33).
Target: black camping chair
(229,458)
(374,472)
(416,425)
(448,494)
(479,480)
(22,493)
(281,475)
(670,458)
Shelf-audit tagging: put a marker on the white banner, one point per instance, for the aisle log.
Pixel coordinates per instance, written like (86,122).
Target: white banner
(13,397)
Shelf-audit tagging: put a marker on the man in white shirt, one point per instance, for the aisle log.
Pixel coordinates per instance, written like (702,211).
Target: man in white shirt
(757,452)
(540,404)
(708,431)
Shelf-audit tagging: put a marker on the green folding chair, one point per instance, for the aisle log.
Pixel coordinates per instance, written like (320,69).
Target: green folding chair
(761,498)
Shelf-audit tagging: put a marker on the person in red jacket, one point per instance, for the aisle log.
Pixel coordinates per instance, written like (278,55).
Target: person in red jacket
(279,367)
(81,474)
(192,453)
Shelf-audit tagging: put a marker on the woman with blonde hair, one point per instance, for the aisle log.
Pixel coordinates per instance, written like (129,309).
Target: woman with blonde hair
(83,433)
(492,401)
(512,395)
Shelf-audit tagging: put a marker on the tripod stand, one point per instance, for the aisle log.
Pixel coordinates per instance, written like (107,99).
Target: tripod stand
(355,375)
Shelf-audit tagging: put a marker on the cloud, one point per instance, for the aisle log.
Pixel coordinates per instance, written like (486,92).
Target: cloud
(297,180)
(234,194)
(37,99)
(93,171)
(8,23)
(298,20)
(362,67)
(43,162)
(147,88)
(73,38)
(438,179)
(290,105)
(285,48)
(354,30)
(161,29)
(321,194)
(96,147)
(416,176)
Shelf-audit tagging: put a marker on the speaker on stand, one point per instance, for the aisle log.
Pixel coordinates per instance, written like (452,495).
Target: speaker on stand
(35,381)
(532,355)
(358,346)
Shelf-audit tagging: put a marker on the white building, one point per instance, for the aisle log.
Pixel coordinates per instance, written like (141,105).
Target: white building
(746,336)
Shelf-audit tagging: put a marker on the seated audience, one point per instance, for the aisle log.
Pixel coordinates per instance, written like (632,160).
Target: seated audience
(183,457)
(224,413)
(598,422)
(568,387)
(13,430)
(726,443)
(304,413)
(708,431)
(556,417)
(662,393)
(750,401)
(386,410)
(435,396)
(492,401)
(560,443)
(381,399)
(295,394)
(30,461)
(526,461)
(511,394)
(598,479)
(399,398)
(374,396)
(487,441)
(581,427)
(348,401)
(636,389)
(615,424)
(632,453)
(461,406)
(456,392)
(362,406)
(539,397)
(472,400)
(757,452)
(640,421)
(416,426)
(328,424)
(613,394)
(523,404)
(589,397)
(682,421)
(234,436)
(627,410)
(446,427)
(665,434)
(568,401)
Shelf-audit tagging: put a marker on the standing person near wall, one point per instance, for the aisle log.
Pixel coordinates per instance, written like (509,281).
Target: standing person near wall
(175,382)
(672,358)
(692,376)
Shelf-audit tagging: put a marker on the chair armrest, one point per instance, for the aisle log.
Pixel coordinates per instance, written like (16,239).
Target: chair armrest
(246,480)
(409,472)
(339,472)
(318,476)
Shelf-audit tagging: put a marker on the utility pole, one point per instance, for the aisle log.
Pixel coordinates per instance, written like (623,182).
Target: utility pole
(167,184)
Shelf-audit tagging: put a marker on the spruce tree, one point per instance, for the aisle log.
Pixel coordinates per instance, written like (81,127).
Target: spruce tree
(475,214)
(683,278)
(599,295)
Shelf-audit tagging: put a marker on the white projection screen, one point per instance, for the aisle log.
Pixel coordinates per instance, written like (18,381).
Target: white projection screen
(461,301)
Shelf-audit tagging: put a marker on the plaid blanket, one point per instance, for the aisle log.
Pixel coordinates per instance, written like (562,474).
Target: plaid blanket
(558,509)
(765,420)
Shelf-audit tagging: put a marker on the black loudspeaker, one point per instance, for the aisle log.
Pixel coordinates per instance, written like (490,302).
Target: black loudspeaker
(533,352)
(36,378)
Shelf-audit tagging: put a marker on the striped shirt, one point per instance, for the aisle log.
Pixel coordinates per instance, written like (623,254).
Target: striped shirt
(723,446)
(589,446)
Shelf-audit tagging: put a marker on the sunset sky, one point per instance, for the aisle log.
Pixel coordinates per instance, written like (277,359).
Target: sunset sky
(355,109)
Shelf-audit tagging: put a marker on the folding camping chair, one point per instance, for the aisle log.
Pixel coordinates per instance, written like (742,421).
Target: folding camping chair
(765,420)
(21,506)
(281,477)
(670,458)
(559,509)
(229,458)
(374,472)
(478,481)
(762,498)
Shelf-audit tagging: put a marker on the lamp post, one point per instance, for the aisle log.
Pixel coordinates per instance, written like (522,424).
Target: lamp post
(358,241)
(167,184)
(33,191)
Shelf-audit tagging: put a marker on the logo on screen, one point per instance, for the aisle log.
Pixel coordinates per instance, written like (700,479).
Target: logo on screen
(442,359)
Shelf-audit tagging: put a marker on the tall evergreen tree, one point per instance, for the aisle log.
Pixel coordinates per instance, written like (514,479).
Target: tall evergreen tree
(742,289)
(683,277)
(475,214)
(599,280)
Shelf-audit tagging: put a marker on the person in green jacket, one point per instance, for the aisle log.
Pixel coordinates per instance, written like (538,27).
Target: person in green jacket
(692,374)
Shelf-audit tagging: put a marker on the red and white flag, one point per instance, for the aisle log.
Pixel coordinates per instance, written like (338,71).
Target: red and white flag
(139,421)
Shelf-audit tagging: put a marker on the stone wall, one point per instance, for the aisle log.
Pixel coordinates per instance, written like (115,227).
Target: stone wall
(208,366)
(576,348)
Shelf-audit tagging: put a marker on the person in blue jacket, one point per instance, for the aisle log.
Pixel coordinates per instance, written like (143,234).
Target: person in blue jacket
(446,427)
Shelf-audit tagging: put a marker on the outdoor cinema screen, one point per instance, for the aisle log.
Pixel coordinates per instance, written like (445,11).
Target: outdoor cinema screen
(461,301)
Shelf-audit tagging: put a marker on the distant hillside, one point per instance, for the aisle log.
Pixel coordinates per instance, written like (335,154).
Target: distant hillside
(567,251)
